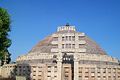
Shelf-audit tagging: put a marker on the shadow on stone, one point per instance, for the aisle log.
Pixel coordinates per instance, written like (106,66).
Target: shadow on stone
(23,71)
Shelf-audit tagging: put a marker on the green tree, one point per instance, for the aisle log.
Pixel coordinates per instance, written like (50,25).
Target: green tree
(5,42)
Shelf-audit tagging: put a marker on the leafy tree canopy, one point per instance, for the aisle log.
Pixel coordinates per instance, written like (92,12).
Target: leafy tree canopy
(5,42)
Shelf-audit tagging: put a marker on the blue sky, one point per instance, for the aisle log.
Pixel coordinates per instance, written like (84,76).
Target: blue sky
(32,20)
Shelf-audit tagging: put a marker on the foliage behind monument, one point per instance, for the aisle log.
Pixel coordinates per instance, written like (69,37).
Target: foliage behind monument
(5,42)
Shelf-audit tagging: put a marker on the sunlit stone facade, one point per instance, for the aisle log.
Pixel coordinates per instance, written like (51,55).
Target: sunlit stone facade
(67,55)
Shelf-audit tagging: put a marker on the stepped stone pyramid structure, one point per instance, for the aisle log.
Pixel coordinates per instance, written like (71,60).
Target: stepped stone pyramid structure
(67,55)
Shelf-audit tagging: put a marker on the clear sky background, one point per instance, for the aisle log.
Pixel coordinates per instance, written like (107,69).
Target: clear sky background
(32,20)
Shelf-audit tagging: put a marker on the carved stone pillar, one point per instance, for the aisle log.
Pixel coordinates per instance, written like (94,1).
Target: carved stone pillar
(59,67)
(76,65)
